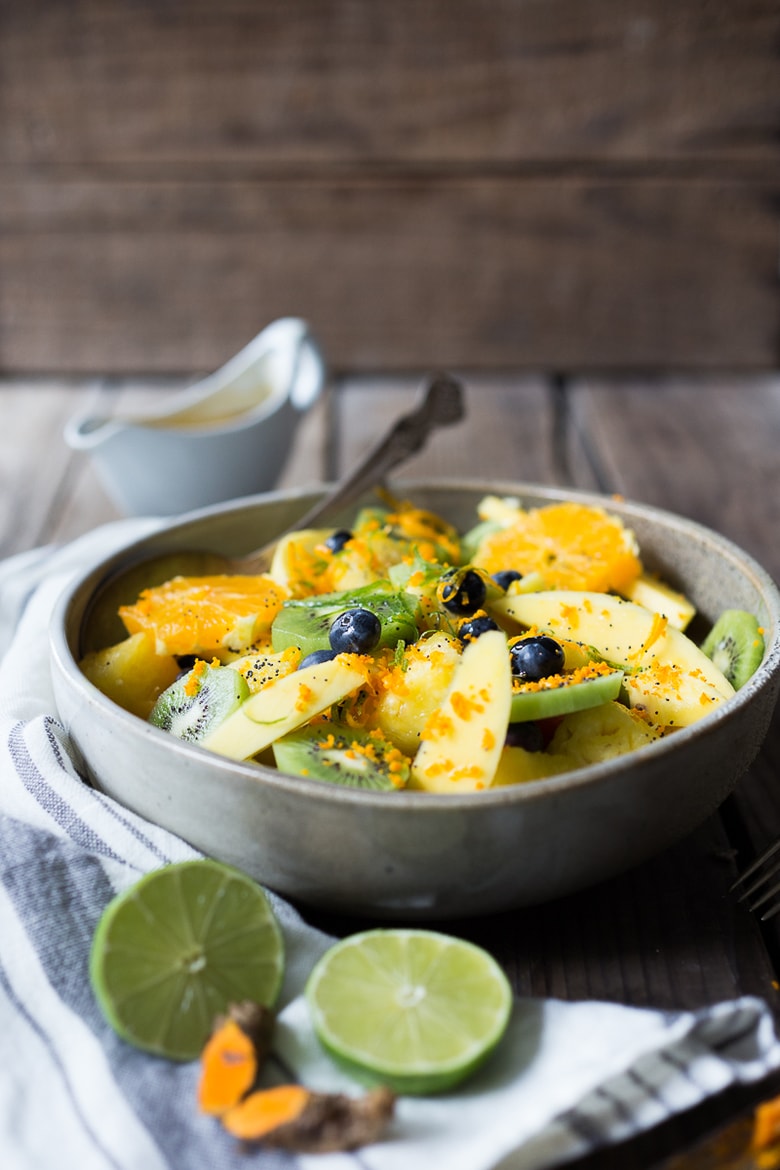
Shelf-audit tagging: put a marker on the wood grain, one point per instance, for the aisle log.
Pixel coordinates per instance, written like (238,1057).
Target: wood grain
(398,274)
(707,448)
(545,185)
(302,81)
(34,461)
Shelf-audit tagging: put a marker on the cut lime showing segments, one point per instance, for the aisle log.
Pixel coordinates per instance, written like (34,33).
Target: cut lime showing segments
(414,1010)
(173,951)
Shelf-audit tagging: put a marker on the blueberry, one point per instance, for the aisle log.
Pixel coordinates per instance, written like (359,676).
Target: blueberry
(469,631)
(504,577)
(525,735)
(185,663)
(536,657)
(316,657)
(355,632)
(338,539)
(462,592)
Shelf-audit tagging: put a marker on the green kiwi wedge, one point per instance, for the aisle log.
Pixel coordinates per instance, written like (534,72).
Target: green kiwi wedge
(572,693)
(736,645)
(195,705)
(342,755)
(306,622)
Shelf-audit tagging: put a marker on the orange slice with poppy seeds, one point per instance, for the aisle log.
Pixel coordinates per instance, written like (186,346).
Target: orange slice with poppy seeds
(571,545)
(207,616)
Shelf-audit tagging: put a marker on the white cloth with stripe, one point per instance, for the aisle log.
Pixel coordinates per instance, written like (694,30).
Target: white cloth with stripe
(569,1077)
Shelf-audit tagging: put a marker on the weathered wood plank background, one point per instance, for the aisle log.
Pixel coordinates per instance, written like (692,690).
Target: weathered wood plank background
(522,184)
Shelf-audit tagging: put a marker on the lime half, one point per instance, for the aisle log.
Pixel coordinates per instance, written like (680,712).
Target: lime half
(173,951)
(411,1009)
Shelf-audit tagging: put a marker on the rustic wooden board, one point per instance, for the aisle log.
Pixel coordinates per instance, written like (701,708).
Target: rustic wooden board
(709,448)
(393,274)
(537,185)
(340,80)
(34,460)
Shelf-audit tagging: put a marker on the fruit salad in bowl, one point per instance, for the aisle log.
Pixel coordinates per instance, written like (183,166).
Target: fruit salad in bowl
(456,698)
(400,652)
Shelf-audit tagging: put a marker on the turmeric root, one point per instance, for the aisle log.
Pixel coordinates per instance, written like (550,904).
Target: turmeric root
(291,1117)
(233,1056)
(288,1117)
(766,1124)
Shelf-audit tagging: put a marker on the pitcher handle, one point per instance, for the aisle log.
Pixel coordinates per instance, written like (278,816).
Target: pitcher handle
(308,373)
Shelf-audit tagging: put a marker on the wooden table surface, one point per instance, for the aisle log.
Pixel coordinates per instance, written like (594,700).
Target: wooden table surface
(667,934)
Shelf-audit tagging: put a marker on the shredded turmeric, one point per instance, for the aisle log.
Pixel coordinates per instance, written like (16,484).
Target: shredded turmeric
(657,630)
(463,706)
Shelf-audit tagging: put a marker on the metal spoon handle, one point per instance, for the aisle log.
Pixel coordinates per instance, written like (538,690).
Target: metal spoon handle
(442,404)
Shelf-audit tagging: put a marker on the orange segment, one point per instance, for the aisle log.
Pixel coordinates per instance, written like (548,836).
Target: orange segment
(572,546)
(426,533)
(206,616)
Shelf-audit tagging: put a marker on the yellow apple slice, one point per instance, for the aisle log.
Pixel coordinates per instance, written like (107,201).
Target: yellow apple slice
(463,739)
(622,632)
(285,704)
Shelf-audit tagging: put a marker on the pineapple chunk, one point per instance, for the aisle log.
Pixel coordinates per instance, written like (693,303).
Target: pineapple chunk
(502,510)
(412,692)
(598,734)
(464,737)
(670,695)
(131,673)
(660,598)
(517,766)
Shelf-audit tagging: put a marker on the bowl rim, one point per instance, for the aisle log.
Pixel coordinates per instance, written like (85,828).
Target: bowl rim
(768,673)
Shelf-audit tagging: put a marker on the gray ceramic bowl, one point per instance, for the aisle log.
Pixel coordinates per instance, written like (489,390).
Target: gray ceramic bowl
(413,855)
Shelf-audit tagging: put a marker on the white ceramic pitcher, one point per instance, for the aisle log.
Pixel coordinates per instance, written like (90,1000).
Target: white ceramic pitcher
(225,437)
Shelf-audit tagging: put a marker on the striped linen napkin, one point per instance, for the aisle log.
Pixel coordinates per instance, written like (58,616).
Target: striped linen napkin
(569,1077)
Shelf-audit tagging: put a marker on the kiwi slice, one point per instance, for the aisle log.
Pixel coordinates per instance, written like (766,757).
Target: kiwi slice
(736,645)
(306,622)
(342,755)
(195,705)
(571,692)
